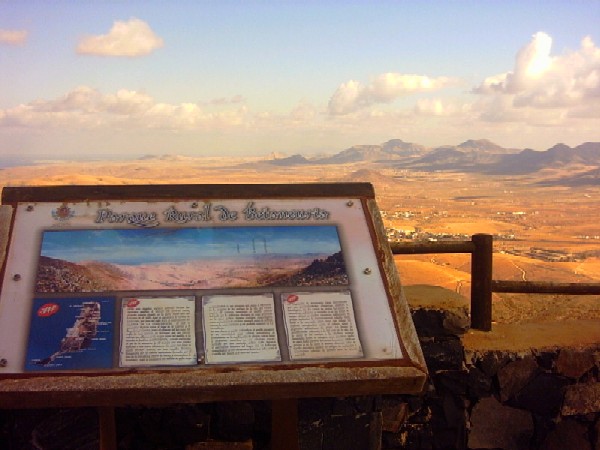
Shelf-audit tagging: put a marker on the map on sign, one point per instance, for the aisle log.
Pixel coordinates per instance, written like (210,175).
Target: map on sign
(70,333)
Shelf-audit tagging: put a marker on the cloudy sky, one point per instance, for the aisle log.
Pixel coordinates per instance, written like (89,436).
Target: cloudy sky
(124,79)
(160,245)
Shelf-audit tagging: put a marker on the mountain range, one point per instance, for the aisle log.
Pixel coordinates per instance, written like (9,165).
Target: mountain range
(482,156)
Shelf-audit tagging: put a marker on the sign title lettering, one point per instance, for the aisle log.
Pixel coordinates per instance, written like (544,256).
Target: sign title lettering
(250,213)
(139,219)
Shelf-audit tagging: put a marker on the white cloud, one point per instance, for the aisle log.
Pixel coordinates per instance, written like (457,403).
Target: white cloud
(303,113)
(353,96)
(531,63)
(346,98)
(125,102)
(541,81)
(85,107)
(500,109)
(543,91)
(441,107)
(131,38)
(13,37)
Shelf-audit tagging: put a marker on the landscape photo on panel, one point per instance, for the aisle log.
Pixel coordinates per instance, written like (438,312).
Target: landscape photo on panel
(101,260)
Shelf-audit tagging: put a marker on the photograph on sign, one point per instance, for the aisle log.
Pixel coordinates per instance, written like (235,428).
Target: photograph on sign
(101,260)
(321,325)
(240,328)
(70,333)
(158,331)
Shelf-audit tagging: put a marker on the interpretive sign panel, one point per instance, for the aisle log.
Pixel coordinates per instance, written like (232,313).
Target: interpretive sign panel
(240,328)
(157,331)
(113,279)
(321,324)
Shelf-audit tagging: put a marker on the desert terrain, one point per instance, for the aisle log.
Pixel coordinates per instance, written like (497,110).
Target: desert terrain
(56,275)
(543,230)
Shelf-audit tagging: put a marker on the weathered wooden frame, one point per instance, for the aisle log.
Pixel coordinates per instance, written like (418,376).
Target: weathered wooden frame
(236,382)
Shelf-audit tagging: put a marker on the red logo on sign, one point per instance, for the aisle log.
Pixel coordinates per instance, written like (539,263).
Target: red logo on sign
(63,212)
(47,310)
(133,302)
(292,298)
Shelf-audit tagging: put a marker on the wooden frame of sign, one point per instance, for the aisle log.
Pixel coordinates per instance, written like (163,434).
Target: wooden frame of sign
(163,294)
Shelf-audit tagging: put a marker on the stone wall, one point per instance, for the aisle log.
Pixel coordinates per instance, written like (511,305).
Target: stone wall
(495,399)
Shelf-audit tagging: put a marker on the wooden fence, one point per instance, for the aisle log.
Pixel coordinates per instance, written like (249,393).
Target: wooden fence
(481,249)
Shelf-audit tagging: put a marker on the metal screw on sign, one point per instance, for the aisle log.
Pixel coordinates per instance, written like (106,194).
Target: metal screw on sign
(3,362)
(16,277)
(350,204)
(367,271)
(29,208)
(195,205)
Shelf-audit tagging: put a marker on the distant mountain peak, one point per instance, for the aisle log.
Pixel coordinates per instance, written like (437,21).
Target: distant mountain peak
(481,145)
(477,142)
(472,155)
(560,155)
(560,147)
(392,150)
(276,155)
(290,160)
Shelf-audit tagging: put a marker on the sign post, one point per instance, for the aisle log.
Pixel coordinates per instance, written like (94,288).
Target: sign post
(116,295)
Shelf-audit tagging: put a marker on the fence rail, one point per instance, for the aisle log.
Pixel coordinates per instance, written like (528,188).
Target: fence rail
(481,249)
(542,287)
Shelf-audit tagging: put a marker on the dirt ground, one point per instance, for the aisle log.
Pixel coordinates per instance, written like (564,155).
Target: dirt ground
(521,322)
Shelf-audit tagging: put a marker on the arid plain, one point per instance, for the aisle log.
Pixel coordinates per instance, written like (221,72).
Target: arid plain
(543,231)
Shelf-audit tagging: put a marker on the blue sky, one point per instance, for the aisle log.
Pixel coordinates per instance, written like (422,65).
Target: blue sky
(153,245)
(123,79)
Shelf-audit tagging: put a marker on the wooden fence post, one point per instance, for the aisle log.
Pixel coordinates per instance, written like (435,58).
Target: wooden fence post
(284,424)
(481,282)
